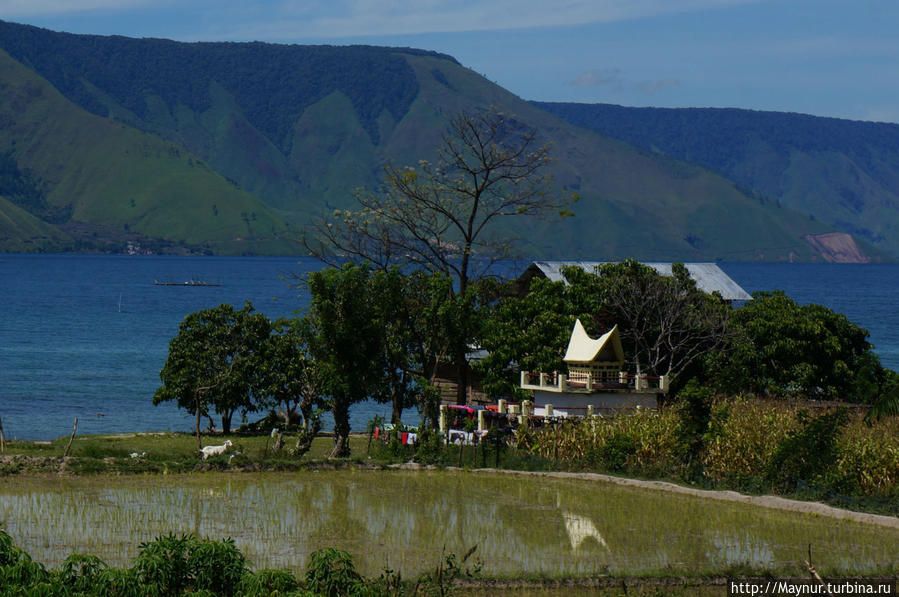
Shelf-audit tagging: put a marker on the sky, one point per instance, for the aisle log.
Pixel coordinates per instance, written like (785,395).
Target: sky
(836,58)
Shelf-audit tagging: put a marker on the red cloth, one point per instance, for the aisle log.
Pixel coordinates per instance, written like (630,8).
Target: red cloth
(405,438)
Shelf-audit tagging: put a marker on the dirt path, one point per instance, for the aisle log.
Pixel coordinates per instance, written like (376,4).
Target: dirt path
(766,501)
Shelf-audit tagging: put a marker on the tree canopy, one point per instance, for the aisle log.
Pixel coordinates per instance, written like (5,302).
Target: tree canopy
(215,362)
(666,323)
(786,349)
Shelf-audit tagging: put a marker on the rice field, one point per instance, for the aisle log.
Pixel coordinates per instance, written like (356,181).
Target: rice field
(404,520)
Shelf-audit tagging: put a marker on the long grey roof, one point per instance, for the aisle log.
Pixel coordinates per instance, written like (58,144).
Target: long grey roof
(708,276)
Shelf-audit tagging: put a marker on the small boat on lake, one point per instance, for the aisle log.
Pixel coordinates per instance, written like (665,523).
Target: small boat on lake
(191,282)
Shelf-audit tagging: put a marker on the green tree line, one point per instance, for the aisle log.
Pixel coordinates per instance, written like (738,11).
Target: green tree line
(382,334)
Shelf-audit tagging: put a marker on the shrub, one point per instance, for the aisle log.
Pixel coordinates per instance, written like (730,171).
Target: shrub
(331,572)
(172,564)
(614,453)
(80,572)
(808,453)
(266,582)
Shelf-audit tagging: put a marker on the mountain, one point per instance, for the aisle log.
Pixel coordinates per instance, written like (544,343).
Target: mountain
(844,172)
(233,147)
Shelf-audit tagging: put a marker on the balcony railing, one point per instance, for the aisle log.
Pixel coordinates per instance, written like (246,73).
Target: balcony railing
(587,382)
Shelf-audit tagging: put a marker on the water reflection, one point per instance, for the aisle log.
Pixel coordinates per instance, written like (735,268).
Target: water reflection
(406,520)
(579,529)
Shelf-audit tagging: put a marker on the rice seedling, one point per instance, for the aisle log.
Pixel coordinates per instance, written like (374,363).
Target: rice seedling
(398,520)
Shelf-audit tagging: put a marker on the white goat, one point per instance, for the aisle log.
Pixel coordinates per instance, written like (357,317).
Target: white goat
(215,450)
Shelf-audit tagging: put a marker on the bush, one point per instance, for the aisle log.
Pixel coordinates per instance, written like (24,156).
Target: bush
(172,564)
(809,453)
(331,573)
(266,582)
(614,454)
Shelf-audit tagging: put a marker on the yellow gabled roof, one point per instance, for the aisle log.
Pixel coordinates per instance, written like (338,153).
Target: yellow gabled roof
(584,349)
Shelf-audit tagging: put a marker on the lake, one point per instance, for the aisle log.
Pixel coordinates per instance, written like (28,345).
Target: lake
(86,335)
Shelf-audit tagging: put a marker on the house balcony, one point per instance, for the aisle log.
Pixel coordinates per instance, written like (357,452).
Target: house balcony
(587,383)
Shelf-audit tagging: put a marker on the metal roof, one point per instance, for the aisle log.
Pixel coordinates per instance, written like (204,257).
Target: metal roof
(708,276)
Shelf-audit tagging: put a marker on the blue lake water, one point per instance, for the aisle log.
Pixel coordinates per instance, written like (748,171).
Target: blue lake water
(86,335)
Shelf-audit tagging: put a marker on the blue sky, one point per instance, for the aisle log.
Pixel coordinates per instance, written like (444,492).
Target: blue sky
(835,58)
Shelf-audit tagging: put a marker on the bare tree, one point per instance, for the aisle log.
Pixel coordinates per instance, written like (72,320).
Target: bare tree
(439,216)
(667,320)
(442,217)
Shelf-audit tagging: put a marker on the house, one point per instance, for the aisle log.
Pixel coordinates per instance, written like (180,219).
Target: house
(708,276)
(595,380)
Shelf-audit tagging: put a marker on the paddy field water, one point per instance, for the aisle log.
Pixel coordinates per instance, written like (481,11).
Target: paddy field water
(524,526)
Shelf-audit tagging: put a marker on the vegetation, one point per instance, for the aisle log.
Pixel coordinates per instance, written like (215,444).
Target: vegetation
(785,349)
(230,147)
(174,565)
(839,170)
(744,444)
(215,361)
(345,343)
(442,218)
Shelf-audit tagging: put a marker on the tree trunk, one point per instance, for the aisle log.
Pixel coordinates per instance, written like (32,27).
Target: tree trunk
(461,377)
(226,421)
(396,417)
(197,425)
(341,412)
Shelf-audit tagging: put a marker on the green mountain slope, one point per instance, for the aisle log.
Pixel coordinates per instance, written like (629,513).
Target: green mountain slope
(845,173)
(21,232)
(212,144)
(116,181)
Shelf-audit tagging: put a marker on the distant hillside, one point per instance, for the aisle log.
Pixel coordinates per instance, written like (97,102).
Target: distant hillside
(233,147)
(845,173)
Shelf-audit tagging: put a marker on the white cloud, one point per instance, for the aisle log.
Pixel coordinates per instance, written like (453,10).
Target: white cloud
(304,19)
(282,20)
(31,8)
(613,80)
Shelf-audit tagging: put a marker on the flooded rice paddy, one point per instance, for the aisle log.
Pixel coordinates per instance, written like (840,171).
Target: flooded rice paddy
(405,519)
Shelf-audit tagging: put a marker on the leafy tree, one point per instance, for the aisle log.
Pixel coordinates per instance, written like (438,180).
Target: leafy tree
(785,349)
(394,306)
(666,323)
(291,378)
(215,361)
(528,333)
(443,217)
(346,342)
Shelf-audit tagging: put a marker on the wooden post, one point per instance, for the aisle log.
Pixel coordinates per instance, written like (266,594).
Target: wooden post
(69,445)
(2,439)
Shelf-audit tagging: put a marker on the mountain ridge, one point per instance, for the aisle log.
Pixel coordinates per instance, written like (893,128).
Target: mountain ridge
(184,153)
(844,172)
